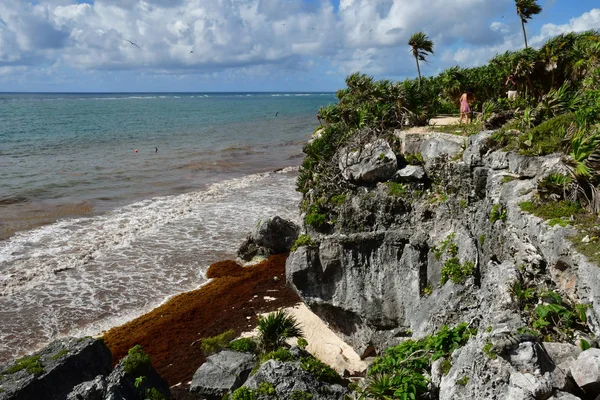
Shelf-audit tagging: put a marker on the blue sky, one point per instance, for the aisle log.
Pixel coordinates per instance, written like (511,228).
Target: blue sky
(255,45)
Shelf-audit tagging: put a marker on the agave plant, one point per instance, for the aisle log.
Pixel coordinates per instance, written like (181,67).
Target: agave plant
(275,328)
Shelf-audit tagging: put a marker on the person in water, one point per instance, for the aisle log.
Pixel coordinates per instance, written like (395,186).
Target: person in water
(465,109)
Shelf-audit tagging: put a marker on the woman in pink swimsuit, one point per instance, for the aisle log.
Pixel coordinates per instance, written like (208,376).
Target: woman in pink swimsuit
(465,110)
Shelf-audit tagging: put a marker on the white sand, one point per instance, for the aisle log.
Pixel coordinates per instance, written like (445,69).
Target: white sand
(323,343)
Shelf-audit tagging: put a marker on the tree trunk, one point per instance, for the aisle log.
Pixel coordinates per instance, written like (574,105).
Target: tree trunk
(524,33)
(418,71)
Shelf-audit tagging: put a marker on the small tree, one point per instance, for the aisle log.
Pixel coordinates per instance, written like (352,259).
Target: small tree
(421,48)
(526,9)
(275,328)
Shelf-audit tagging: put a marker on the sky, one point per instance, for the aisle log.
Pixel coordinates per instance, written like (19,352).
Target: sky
(255,45)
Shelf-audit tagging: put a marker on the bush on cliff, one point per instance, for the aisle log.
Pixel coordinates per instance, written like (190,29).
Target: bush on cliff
(217,343)
(137,362)
(275,328)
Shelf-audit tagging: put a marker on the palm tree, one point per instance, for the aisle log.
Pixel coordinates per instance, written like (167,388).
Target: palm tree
(421,48)
(275,328)
(526,9)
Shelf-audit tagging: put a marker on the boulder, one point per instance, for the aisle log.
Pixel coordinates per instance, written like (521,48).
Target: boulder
(431,146)
(91,390)
(137,383)
(222,373)
(287,378)
(272,235)
(52,372)
(374,162)
(410,173)
(586,371)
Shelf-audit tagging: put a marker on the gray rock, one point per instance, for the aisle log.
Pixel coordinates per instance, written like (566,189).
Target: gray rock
(288,377)
(64,364)
(375,162)
(563,396)
(477,148)
(273,235)
(497,119)
(562,354)
(91,390)
(121,385)
(586,370)
(222,373)
(410,173)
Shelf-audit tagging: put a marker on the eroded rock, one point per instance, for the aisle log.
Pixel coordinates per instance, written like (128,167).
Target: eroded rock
(222,373)
(374,162)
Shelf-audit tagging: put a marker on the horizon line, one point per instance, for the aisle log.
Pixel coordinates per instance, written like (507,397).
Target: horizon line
(153,92)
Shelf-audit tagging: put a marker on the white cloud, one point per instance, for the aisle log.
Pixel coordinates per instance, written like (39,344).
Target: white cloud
(587,21)
(179,37)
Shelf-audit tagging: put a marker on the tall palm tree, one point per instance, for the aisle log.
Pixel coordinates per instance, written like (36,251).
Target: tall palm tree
(526,9)
(421,48)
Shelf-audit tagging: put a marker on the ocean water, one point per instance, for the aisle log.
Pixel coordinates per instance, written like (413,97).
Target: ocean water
(93,233)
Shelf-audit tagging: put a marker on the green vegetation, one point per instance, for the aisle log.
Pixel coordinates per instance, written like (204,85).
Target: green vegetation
(552,210)
(154,394)
(217,343)
(400,372)
(303,240)
(320,370)
(31,364)
(414,159)
(488,350)
(498,213)
(59,354)
(421,47)
(265,389)
(302,343)
(300,395)
(427,290)
(455,271)
(396,189)
(138,381)
(137,361)
(275,328)
(482,239)
(548,314)
(243,393)
(508,178)
(446,244)
(463,381)
(246,345)
(281,354)
(445,366)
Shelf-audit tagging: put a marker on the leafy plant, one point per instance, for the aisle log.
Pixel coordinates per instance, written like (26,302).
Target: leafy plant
(154,394)
(265,389)
(463,381)
(137,361)
(243,393)
(396,189)
(414,159)
(32,364)
(281,354)
(244,345)
(303,240)
(300,395)
(498,213)
(456,272)
(320,370)
(138,381)
(217,343)
(302,343)
(275,328)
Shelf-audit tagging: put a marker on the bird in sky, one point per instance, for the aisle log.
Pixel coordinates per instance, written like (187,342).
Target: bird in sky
(191,51)
(132,43)
(156,149)
(277,113)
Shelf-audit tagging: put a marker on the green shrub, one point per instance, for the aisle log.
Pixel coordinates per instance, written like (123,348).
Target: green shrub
(281,354)
(303,240)
(217,343)
(396,189)
(482,239)
(455,271)
(445,366)
(548,137)
(300,395)
(338,200)
(31,364)
(488,350)
(265,389)
(320,370)
(275,328)
(302,343)
(316,219)
(414,159)
(401,369)
(244,345)
(552,210)
(243,393)
(154,394)
(498,213)
(137,361)
(463,381)
(60,354)
(553,187)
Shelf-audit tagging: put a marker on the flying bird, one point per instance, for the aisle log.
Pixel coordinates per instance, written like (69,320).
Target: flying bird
(191,51)
(133,44)
(156,149)
(277,113)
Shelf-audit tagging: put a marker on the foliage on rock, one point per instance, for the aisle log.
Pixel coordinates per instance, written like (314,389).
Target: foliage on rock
(137,361)
(275,328)
(217,343)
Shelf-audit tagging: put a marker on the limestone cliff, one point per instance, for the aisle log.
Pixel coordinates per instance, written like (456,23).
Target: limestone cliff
(421,250)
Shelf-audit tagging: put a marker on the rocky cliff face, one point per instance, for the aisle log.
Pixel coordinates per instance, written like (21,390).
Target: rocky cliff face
(445,247)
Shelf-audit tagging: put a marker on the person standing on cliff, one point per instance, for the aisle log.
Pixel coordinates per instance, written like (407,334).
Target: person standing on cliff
(465,109)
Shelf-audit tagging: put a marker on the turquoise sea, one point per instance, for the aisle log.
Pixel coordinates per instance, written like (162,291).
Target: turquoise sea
(94,233)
